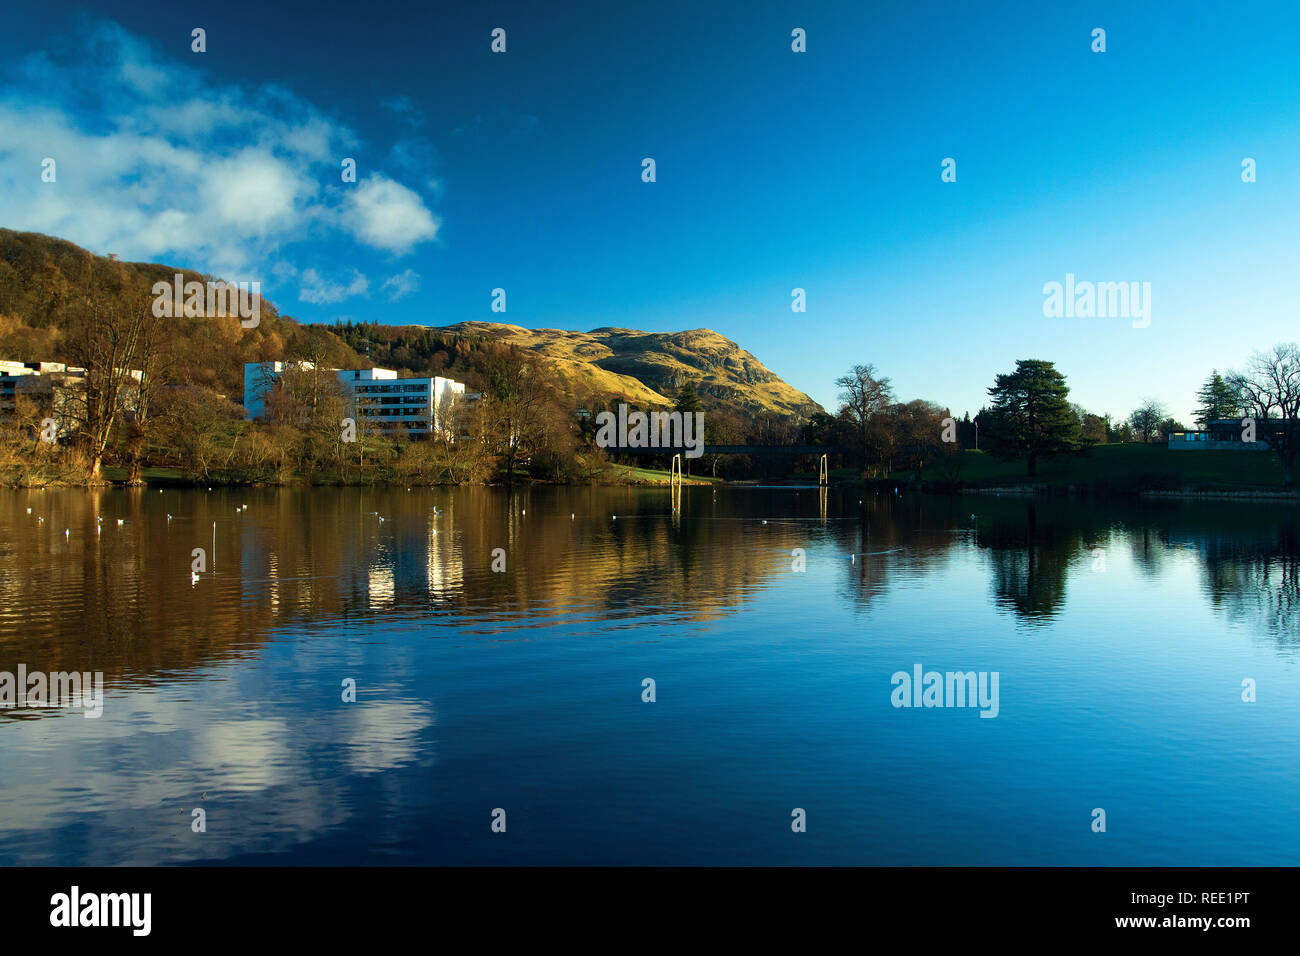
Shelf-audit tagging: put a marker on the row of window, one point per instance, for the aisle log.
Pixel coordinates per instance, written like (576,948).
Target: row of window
(369,389)
(400,400)
(372,412)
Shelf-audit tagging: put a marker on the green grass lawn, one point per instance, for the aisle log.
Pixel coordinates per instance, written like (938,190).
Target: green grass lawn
(620,473)
(1120,464)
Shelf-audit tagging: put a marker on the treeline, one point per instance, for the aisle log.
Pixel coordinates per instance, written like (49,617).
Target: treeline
(881,435)
(1031,418)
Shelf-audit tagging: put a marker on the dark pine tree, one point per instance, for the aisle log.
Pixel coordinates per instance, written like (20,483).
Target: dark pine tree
(1031,416)
(687,400)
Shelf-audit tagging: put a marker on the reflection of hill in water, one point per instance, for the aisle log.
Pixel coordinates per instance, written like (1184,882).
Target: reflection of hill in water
(121,600)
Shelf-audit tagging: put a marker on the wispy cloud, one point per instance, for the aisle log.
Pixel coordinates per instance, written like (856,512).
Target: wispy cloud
(401,285)
(318,290)
(155,161)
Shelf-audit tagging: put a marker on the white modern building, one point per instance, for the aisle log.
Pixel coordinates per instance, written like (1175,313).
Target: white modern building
(378,398)
(57,390)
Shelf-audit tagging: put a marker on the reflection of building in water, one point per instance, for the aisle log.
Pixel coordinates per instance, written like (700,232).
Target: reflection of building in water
(259,569)
(273,572)
(380,585)
(446,573)
(424,559)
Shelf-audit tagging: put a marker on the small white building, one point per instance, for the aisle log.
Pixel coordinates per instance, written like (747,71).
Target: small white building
(415,406)
(58,390)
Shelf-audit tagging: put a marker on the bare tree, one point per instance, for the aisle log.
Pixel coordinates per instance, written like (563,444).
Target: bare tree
(515,401)
(865,396)
(105,332)
(314,381)
(918,426)
(1270,392)
(1146,418)
(202,424)
(156,363)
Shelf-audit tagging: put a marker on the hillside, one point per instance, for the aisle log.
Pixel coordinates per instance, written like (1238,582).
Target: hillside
(43,281)
(42,278)
(650,367)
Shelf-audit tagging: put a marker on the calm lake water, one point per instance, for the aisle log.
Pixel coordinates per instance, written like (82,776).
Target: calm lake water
(1121,636)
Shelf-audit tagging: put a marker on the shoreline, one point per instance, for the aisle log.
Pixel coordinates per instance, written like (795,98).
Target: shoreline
(1262,494)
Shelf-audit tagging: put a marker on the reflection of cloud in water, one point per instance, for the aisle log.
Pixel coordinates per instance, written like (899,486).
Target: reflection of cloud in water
(382,735)
(129,780)
(245,755)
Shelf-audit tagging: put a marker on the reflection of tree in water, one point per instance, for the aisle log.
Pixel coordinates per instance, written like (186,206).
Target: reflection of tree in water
(1030,551)
(1255,580)
(1151,549)
(891,536)
(120,598)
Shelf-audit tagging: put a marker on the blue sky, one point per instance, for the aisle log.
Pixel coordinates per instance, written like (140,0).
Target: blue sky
(775,170)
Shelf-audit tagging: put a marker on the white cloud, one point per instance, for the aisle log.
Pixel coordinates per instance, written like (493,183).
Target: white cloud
(156,161)
(318,290)
(255,191)
(401,285)
(384,213)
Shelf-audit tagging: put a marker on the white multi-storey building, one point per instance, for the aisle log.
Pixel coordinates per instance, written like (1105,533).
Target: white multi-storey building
(377,397)
(58,390)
